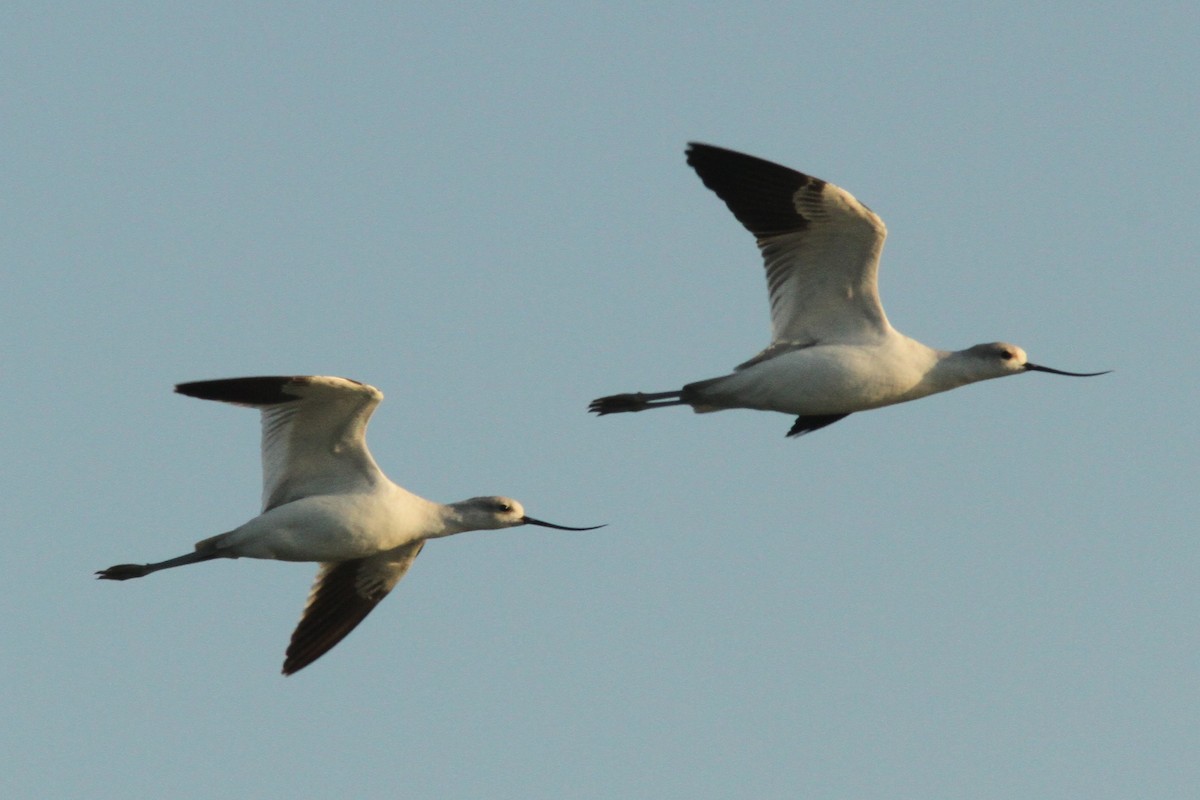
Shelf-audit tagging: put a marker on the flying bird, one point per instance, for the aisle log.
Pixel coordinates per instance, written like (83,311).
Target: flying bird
(325,500)
(832,351)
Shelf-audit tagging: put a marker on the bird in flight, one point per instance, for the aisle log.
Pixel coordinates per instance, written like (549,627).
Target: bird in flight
(325,500)
(832,351)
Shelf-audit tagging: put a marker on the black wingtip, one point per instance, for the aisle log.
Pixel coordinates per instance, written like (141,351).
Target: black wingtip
(760,193)
(813,422)
(257,391)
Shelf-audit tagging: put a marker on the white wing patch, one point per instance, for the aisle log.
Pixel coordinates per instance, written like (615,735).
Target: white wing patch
(822,279)
(314,431)
(820,246)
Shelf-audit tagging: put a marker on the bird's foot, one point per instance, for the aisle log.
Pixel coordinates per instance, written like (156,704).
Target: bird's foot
(123,572)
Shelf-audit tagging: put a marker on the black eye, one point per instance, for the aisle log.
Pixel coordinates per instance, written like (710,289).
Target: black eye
(1007,355)
(503,507)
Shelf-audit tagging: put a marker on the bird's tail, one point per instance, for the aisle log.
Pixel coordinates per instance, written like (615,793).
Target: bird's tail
(635,401)
(212,544)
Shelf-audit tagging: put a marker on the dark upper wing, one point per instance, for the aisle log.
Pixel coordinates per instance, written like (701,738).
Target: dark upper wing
(342,596)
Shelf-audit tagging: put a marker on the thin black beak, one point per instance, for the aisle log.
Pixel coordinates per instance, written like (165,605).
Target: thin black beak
(532,521)
(1037,368)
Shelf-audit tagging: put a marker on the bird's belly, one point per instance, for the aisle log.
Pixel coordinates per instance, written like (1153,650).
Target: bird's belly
(816,380)
(321,528)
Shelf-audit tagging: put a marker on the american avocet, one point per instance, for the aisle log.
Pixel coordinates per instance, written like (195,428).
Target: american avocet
(832,350)
(325,500)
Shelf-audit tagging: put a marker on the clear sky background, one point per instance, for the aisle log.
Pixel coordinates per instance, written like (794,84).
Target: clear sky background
(484,210)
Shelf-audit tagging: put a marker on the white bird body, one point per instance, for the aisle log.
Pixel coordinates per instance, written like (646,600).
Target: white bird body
(334,527)
(832,351)
(326,500)
(820,379)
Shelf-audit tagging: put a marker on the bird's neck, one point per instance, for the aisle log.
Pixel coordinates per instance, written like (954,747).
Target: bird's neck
(449,520)
(956,368)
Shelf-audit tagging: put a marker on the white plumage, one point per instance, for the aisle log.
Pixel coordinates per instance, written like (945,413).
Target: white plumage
(832,350)
(326,500)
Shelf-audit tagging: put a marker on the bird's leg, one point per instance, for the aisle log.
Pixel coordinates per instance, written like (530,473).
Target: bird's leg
(634,401)
(123,572)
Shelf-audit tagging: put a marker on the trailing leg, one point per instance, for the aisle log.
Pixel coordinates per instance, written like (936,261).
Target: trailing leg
(123,572)
(635,401)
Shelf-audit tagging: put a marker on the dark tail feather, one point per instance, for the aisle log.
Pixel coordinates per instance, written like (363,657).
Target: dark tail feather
(635,401)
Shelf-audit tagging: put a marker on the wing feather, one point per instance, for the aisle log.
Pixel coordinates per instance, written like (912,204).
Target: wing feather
(342,595)
(820,246)
(313,431)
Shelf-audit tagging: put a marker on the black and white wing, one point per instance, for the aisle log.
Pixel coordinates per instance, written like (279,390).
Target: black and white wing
(342,596)
(820,245)
(313,431)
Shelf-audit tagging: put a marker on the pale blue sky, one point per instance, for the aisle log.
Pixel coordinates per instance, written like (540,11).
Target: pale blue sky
(485,211)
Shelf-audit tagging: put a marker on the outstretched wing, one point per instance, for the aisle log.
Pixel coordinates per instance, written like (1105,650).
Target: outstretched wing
(342,596)
(313,431)
(821,247)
